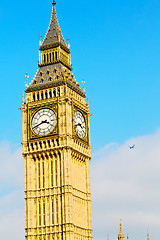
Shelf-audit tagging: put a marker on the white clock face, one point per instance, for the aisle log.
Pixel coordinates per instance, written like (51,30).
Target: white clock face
(80,124)
(43,122)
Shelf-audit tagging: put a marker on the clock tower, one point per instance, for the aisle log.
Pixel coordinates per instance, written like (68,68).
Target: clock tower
(56,147)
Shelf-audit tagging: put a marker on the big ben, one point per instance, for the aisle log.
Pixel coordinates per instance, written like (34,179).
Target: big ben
(56,147)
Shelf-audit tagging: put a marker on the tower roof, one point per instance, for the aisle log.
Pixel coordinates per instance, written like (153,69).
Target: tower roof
(54,34)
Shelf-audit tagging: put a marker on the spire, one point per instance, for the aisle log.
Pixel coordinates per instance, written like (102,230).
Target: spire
(147,234)
(54,34)
(120,235)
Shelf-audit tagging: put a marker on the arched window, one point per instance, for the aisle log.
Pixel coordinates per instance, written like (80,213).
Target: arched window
(38,96)
(50,94)
(53,56)
(56,56)
(34,97)
(46,95)
(42,96)
(50,57)
(47,57)
(44,58)
(59,92)
(54,92)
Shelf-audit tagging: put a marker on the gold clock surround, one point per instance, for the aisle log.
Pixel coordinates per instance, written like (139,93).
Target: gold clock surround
(75,109)
(33,111)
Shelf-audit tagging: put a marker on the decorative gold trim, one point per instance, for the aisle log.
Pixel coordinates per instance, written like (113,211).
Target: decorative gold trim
(75,109)
(32,111)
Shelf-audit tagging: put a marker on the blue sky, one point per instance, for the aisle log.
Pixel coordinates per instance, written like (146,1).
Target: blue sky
(115,47)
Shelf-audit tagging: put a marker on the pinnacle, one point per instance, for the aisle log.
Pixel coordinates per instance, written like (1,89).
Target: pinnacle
(54,3)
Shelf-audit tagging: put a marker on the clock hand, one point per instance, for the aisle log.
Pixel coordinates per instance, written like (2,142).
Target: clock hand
(45,121)
(78,124)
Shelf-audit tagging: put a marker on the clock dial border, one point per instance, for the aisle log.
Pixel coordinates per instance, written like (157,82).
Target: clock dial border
(32,111)
(85,115)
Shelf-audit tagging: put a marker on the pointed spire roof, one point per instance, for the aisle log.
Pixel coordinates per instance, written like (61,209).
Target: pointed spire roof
(54,34)
(120,235)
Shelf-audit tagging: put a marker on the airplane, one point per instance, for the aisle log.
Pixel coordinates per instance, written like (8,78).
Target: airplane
(132,147)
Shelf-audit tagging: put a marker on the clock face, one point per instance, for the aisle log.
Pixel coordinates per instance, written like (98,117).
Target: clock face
(80,124)
(43,122)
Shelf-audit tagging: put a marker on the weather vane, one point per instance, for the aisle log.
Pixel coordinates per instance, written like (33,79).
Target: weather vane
(26,83)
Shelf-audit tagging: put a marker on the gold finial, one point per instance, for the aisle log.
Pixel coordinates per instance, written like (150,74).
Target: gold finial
(107,236)
(40,41)
(147,234)
(83,83)
(120,235)
(26,83)
(54,3)
(120,224)
(68,42)
(22,97)
(127,235)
